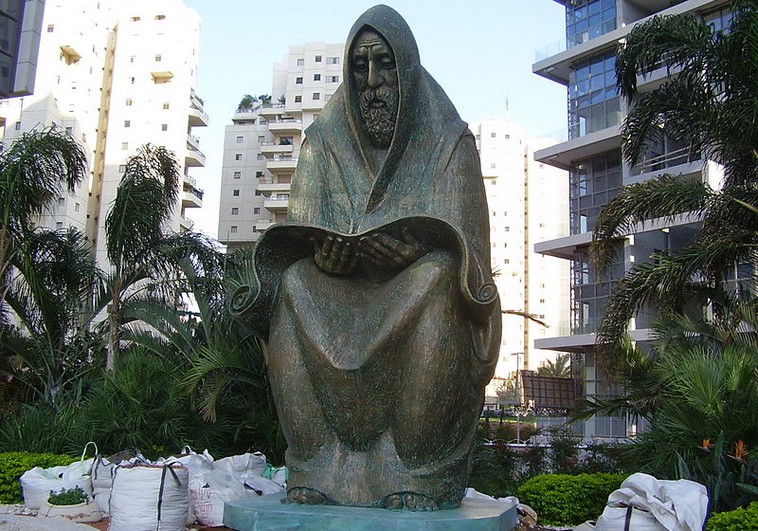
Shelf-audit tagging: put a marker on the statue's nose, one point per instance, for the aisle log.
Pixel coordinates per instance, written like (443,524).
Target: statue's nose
(374,75)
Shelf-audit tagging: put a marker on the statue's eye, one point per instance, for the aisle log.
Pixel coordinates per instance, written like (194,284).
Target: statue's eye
(360,65)
(387,62)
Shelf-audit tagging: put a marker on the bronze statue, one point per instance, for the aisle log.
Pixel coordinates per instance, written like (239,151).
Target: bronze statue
(375,300)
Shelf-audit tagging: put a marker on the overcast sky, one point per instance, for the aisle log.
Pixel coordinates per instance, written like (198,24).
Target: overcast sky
(480,52)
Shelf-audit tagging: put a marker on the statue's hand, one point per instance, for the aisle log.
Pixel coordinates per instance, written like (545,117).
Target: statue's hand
(387,252)
(335,256)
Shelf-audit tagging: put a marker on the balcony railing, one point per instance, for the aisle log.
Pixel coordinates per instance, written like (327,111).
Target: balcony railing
(667,160)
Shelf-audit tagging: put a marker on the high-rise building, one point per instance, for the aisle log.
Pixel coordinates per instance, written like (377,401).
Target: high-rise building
(527,202)
(262,144)
(592,157)
(115,75)
(21,23)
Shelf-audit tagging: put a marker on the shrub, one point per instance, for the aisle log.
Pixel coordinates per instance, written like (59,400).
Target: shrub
(562,499)
(736,520)
(68,496)
(14,464)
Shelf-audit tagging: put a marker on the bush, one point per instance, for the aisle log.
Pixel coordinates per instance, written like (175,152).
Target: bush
(562,499)
(14,464)
(737,520)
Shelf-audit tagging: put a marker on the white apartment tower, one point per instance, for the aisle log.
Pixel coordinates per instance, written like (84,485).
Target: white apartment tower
(592,157)
(261,146)
(527,200)
(116,75)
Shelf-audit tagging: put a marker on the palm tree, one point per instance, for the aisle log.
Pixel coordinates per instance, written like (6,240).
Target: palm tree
(709,105)
(135,236)
(34,170)
(560,368)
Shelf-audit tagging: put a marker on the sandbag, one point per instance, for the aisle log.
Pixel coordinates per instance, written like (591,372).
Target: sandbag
(37,482)
(149,497)
(644,503)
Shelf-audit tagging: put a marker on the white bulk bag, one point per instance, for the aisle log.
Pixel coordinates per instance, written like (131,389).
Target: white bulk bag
(149,498)
(37,482)
(644,503)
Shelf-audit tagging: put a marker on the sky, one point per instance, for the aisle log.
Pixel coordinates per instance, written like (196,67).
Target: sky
(481,53)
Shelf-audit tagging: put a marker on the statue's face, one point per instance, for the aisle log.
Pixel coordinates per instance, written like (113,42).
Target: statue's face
(375,78)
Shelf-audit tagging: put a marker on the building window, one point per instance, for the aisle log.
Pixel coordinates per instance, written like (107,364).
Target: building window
(301,62)
(316,77)
(166,105)
(298,99)
(131,59)
(261,139)
(50,28)
(258,174)
(237,174)
(131,80)
(332,60)
(587,19)
(493,166)
(129,102)
(158,58)
(235,211)
(69,131)
(235,193)
(136,19)
(122,168)
(58,225)
(256,210)
(507,229)
(76,207)
(240,139)
(127,123)
(493,135)
(316,95)
(318,59)
(160,17)
(233,229)
(238,156)
(257,192)
(164,127)
(18,126)
(333,79)
(260,156)
(298,81)
(593,101)
(124,145)
(506,261)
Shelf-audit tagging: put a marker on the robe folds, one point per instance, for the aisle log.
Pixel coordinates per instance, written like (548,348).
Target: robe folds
(379,382)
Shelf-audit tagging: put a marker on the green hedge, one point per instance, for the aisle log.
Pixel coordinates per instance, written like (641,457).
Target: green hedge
(568,500)
(737,520)
(14,464)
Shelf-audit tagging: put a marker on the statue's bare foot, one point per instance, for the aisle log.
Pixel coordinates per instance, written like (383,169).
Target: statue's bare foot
(411,501)
(305,496)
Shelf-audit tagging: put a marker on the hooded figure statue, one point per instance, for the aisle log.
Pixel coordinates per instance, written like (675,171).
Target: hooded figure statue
(375,300)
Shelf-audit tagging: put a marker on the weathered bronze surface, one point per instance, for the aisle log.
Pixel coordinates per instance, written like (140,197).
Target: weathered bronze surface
(375,299)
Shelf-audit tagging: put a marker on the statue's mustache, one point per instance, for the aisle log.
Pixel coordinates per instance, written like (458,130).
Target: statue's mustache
(383,94)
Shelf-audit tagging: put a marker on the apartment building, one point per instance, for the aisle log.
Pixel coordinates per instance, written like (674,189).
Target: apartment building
(115,75)
(592,157)
(262,144)
(528,200)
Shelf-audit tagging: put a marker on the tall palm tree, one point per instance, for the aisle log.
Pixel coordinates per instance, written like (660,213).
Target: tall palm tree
(34,171)
(709,105)
(135,234)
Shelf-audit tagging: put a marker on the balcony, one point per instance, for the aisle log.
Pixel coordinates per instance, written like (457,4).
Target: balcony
(271,148)
(192,198)
(197,115)
(285,125)
(270,109)
(565,154)
(274,188)
(193,142)
(677,162)
(194,158)
(282,164)
(277,204)
(263,224)
(564,247)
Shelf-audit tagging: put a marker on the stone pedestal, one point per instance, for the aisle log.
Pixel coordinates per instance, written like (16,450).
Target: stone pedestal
(267,513)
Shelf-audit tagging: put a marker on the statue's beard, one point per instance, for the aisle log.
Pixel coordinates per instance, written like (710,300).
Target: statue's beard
(379,121)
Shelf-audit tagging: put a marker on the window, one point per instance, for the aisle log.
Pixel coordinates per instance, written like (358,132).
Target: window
(258,174)
(131,59)
(256,210)
(237,174)
(235,211)
(316,95)
(158,58)
(592,98)
(121,168)
(76,207)
(333,79)
(69,131)
(236,193)
(131,80)
(124,145)
(298,99)
(493,135)
(542,301)
(316,77)
(261,139)
(298,81)
(136,19)
(506,261)
(164,127)
(51,28)
(127,123)
(233,229)
(300,62)
(160,17)
(58,224)
(238,156)
(257,192)
(318,59)
(240,139)
(493,166)
(166,105)
(507,229)
(260,156)
(129,102)
(61,201)
(332,60)
(18,126)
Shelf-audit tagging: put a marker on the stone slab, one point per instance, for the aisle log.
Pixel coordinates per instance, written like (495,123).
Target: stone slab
(267,513)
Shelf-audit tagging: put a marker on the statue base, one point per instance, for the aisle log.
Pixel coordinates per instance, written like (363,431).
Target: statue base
(269,513)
